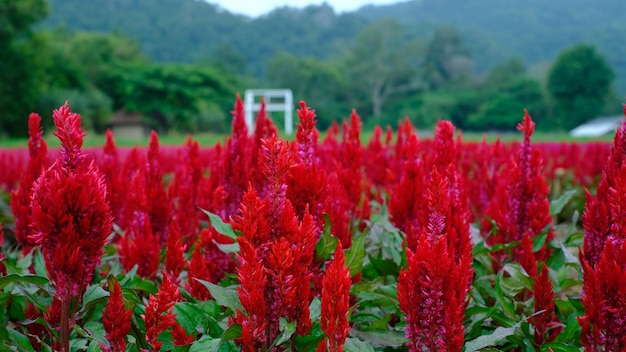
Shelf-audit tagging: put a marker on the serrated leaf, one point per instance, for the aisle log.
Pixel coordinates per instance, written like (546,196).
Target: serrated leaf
(226,297)
(492,339)
(23,279)
(355,255)
(220,226)
(557,205)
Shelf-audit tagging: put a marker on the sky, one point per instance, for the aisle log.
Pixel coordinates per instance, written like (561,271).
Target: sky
(258,7)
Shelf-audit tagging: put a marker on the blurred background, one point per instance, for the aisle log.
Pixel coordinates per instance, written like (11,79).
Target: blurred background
(176,65)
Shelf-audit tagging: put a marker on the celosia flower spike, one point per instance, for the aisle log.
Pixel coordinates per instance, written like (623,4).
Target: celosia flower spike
(21,198)
(71,218)
(336,302)
(116,320)
(70,134)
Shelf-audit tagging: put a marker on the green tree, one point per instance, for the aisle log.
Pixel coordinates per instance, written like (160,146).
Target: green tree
(20,76)
(171,95)
(447,61)
(503,107)
(381,63)
(320,83)
(578,82)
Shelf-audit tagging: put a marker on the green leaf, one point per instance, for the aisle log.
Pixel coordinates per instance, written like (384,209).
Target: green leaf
(355,345)
(226,297)
(220,226)
(327,242)
(93,296)
(315,309)
(23,279)
(287,329)
(381,338)
(205,344)
(559,347)
(356,253)
(189,316)
(557,205)
(20,341)
(227,247)
(233,332)
(492,339)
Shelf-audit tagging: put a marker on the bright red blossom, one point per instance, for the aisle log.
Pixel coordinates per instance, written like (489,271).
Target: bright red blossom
(335,303)
(116,320)
(21,198)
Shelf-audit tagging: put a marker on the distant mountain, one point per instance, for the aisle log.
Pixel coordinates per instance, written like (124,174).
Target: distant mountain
(534,30)
(193,30)
(494,30)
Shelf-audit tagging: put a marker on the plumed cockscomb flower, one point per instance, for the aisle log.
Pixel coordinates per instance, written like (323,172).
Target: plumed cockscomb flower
(116,320)
(175,253)
(159,316)
(336,302)
(71,218)
(604,257)
(432,290)
(21,198)
(520,204)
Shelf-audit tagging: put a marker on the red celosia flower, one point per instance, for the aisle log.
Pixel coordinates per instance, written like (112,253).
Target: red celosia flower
(140,247)
(174,255)
(544,306)
(306,181)
(407,195)
(432,290)
(21,198)
(116,320)
(112,171)
(159,316)
(284,249)
(604,293)
(431,293)
(253,280)
(336,302)
(183,191)
(600,220)
(180,336)
(158,207)
(198,269)
(71,219)
(520,204)
(604,257)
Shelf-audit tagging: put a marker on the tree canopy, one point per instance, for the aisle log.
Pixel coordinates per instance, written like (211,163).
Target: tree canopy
(579,83)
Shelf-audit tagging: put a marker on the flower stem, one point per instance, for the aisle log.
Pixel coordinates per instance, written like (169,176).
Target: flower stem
(65,326)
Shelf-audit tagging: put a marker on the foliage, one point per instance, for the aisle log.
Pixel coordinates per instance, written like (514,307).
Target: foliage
(169,96)
(579,83)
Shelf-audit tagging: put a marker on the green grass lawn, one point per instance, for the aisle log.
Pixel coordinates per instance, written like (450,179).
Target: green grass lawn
(210,139)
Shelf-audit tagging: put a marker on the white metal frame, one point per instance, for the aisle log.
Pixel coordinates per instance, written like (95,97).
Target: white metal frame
(251,107)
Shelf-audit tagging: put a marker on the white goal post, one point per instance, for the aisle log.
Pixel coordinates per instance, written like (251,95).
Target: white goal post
(285,104)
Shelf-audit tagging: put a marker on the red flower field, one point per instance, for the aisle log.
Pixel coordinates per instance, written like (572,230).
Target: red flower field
(266,244)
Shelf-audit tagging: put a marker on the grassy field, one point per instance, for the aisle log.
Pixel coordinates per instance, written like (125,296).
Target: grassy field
(210,139)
